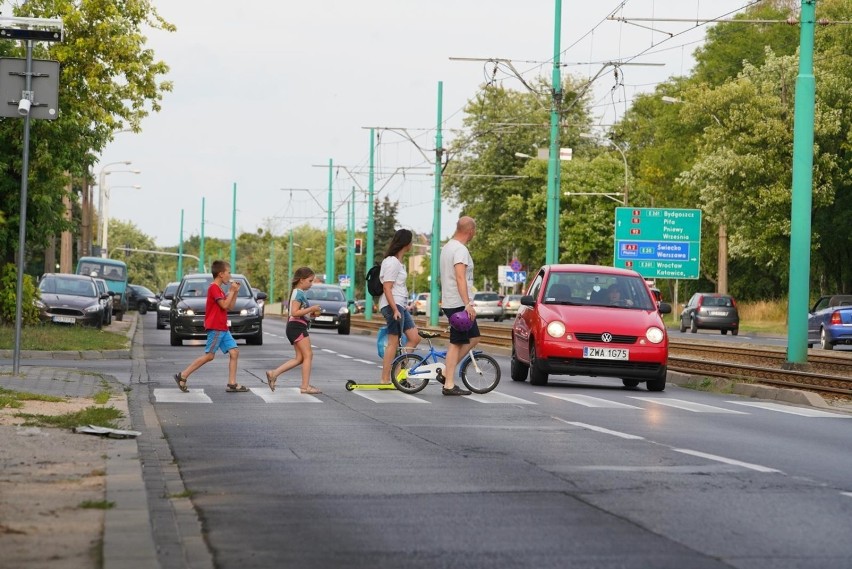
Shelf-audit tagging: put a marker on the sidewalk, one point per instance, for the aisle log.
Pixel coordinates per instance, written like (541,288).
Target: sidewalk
(152,523)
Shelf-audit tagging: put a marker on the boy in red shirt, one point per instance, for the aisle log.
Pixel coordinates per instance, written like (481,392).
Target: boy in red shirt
(216,324)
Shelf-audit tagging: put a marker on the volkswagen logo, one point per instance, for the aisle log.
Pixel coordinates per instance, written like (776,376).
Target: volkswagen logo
(606,337)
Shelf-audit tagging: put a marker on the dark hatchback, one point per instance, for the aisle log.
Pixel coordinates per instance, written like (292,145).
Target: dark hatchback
(710,311)
(165,305)
(70,299)
(141,298)
(335,309)
(189,302)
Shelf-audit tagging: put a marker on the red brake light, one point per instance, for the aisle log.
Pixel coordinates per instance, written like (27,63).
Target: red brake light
(700,299)
(835,318)
(733,302)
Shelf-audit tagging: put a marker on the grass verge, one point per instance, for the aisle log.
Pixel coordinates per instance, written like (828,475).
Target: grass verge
(97,505)
(99,416)
(13,399)
(51,337)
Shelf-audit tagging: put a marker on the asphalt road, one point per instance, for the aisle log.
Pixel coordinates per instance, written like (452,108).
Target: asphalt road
(580,473)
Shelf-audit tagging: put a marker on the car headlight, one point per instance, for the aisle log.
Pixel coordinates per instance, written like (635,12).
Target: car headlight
(92,308)
(163,307)
(655,335)
(39,304)
(343,310)
(556,329)
(249,311)
(185,311)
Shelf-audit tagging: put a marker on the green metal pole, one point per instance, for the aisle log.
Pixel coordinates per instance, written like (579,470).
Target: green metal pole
(329,236)
(180,250)
(234,232)
(350,248)
(371,228)
(803,160)
(272,269)
(290,259)
(551,254)
(201,268)
(434,268)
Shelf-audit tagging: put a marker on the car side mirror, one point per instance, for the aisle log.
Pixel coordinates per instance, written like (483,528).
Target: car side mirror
(105,296)
(261,296)
(664,308)
(169,296)
(528,300)
(111,293)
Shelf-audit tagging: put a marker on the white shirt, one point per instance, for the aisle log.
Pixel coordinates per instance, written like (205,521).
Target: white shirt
(393,271)
(453,253)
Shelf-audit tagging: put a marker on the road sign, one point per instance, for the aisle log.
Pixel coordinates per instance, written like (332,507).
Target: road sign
(344,281)
(658,243)
(513,277)
(516,265)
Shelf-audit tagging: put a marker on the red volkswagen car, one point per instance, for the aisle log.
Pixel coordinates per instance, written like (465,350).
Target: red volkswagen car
(592,321)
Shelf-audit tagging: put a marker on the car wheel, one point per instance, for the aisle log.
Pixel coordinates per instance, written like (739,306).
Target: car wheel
(630,382)
(658,384)
(257,339)
(724,332)
(175,340)
(537,376)
(497,319)
(682,325)
(142,309)
(344,328)
(693,326)
(824,342)
(161,326)
(517,369)
(734,332)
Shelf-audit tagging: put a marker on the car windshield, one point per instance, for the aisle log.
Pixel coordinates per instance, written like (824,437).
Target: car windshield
(716,301)
(197,286)
(598,289)
(170,288)
(102,270)
(72,287)
(325,293)
(141,290)
(486,296)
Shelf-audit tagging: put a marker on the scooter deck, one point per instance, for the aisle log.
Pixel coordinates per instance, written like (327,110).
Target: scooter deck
(352,385)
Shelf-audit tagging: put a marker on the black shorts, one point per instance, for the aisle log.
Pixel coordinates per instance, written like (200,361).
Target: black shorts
(296,331)
(457,336)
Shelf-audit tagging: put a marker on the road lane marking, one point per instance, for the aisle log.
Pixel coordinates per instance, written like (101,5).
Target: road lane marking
(731,461)
(847,494)
(285,395)
(688,405)
(177,396)
(804,412)
(388,397)
(587,401)
(601,430)
(363,361)
(497,397)
(344,356)
(326,350)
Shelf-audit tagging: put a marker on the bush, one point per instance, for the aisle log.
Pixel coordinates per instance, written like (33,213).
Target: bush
(8,290)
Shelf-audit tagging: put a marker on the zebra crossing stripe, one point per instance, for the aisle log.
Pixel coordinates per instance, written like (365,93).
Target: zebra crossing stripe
(285,395)
(175,395)
(588,401)
(389,397)
(802,411)
(688,405)
(497,397)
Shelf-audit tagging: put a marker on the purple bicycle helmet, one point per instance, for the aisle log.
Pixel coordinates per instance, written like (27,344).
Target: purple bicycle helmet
(461,321)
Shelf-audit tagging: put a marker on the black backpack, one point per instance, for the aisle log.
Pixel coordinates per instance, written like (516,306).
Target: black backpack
(374,281)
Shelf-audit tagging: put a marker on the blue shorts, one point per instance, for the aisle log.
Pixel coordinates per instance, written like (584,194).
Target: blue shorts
(219,340)
(406,322)
(457,336)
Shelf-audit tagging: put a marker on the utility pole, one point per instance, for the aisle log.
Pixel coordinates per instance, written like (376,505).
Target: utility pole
(272,269)
(371,225)
(290,261)
(201,247)
(329,237)
(350,248)
(434,268)
(234,231)
(180,250)
(803,159)
(553,166)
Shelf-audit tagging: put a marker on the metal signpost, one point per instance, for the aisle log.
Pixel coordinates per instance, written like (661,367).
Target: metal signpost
(658,243)
(30,90)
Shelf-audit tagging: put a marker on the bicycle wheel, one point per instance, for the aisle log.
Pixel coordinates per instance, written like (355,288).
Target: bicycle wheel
(404,373)
(484,380)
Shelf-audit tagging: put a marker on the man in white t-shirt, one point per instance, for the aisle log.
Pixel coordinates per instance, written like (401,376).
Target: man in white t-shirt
(394,300)
(456,295)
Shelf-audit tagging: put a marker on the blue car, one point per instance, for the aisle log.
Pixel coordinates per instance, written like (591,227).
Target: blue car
(830,321)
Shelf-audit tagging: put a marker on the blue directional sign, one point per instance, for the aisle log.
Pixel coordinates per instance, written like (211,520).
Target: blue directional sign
(516,276)
(658,243)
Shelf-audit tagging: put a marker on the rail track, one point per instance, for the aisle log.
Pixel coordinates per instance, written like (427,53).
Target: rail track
(825,372)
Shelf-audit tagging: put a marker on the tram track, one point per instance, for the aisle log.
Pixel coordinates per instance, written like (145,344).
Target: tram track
(825,372)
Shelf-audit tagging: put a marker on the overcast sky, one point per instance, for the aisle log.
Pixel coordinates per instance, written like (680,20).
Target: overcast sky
(264,91)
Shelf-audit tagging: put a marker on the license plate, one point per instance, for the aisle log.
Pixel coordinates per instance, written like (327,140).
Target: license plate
(718,313)
(606,353)
(324,319)
(65,319)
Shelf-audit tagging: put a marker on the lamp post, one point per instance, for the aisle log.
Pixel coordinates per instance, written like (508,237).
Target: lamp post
(105,211)
(102,181)
(623,157)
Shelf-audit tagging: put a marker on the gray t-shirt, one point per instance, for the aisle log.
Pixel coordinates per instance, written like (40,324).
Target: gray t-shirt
(453,253)
(394,271)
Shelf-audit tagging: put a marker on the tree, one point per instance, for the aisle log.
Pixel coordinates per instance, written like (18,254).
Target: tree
(385,225)
(105,85)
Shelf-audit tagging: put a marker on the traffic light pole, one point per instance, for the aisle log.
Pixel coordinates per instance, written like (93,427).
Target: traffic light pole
(371,229)
(551,254)
(350,248)
(436,216)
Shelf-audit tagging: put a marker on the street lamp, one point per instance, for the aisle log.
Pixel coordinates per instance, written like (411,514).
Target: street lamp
(623,157)
(101,182)
(104,191)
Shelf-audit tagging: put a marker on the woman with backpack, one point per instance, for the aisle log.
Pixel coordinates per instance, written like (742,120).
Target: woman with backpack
(394,299)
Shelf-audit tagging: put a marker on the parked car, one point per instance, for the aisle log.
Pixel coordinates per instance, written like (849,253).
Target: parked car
(165,304)
(567,325)
(710,311)
(511,304)
(335,309)
(830,321)
(70,299)
(103,289)
(488,305)
(186,314)
(114,272)
(141,298)
(420,304)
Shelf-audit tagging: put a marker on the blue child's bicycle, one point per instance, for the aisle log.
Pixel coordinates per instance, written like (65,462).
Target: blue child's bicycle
(411,372)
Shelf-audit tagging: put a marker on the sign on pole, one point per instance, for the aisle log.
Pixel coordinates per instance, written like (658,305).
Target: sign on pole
(658,243)
(344,281)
